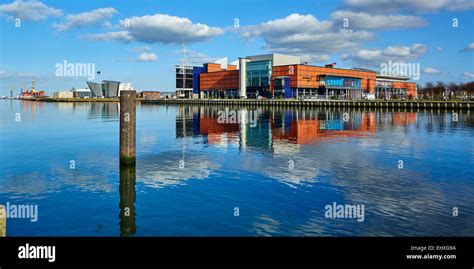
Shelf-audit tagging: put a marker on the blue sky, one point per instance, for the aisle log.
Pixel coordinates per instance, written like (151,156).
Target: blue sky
(140,41)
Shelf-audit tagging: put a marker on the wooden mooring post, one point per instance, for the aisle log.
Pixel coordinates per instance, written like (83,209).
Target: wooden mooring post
(3,221)
(128,127)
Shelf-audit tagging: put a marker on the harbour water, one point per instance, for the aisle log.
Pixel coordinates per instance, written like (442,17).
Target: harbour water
(234,171)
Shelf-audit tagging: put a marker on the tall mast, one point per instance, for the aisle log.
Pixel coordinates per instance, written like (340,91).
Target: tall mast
(183,67)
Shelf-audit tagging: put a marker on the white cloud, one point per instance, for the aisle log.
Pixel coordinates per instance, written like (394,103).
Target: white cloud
(109,36)
(305,34)
(29,10)
(384,6)
(85,18)
(469,47)
(362,20)
(195,58)
(147,57)
(439,49)
(107,25)
(468,75)
(431,70)
(374,57)
(160,28)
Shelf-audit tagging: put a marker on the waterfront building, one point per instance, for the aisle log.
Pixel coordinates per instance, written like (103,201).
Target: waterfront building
(63,94)
(82,93)
(284,76)
(184,81)
(150,95)
(110,88)
(107,88)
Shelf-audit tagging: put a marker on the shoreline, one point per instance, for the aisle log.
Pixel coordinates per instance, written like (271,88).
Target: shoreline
(323,103)
(435,104)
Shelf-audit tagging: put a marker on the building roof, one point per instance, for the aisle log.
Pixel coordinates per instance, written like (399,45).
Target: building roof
(389,77)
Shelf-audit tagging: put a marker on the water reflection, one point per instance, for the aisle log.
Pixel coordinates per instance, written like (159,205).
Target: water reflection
(127,200)
(307,126)
(295,126)
(104,111)
(280,166)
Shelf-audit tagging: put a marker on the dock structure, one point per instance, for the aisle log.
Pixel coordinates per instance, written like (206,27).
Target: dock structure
(128,127)
(3,221)
(468,105)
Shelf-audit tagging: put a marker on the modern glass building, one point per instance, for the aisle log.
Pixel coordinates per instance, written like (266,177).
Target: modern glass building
(107,88)
(96,89)
(259,75)
(283,76)
(184,81)
(110,88)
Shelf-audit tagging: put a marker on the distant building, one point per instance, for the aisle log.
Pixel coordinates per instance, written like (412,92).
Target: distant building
(150,95)
(184,81)
(110,88)
(63,94)
(168,95)
(96,89)
(107,88)
(82,93)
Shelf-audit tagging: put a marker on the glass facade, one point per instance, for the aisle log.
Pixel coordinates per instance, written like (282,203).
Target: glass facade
(390,93)
(184,76)
(343,82)
(96,89)
(110,88)
(184,81)
(259,73)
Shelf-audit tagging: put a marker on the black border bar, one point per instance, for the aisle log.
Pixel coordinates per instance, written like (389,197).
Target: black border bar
(239,250)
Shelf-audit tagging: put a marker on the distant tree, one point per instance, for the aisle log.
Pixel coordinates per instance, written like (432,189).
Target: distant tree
(468,89)
(453,89)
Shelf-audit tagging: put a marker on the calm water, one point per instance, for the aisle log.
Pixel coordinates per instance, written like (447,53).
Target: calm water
(194,170)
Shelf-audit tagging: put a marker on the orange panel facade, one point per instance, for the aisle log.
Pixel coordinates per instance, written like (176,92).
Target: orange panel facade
(213,67)
(220,80)
(306,76)
(301,77)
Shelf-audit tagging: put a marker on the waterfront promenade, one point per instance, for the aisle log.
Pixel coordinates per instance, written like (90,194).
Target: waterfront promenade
(422,104)
(323,103)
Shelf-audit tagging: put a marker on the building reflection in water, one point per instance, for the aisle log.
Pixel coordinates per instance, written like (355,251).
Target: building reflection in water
(127,200)
(283,133)
(104,111)
(273,126)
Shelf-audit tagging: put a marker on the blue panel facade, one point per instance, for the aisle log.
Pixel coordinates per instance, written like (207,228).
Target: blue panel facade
(288,119)
(343,82)
(196,123)
(196,72)
(288,92)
